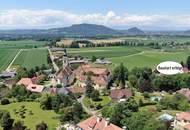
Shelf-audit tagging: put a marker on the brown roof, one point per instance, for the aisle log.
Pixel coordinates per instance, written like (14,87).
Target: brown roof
(97,123)
(185,92)
(76,89)
(183,116)
(120,93)
(94,70)
(64,73)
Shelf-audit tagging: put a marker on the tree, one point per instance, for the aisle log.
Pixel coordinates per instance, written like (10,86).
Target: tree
(5,101)
(188,62)
(120,75)
(153,124)
(89,86)
(95,95)
(41,126)
(6,121)
(94,58)
(45,102)
(19,126)
(133,80)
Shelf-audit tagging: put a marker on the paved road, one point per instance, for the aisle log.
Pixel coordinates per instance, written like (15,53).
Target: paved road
(90,112)
(8,68)
(52,59)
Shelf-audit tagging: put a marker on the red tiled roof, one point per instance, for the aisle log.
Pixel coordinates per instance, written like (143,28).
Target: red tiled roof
(120,93)
(64,73)
(183,116)
(97,124)
(25,82)
(35,88)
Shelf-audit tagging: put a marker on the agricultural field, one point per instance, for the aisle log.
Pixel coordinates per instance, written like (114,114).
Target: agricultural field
(132,56)
(6,56)
(24,44)
(33,114)
(31,58)
(107,52)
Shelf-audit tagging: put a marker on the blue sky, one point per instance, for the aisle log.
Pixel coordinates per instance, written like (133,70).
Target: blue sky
(147,14)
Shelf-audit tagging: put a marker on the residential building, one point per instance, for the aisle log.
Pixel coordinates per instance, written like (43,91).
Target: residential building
(120,94)
(100,76)
(7,74)
(97,123)
(182,121)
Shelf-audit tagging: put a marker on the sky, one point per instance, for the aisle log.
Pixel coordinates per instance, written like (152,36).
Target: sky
(120,14)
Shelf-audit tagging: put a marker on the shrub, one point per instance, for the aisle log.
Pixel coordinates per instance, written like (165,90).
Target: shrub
(146,95)
(5,102)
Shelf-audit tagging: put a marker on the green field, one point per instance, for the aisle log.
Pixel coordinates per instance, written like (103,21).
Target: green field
(24,44)
(107,52)
(38,116)
(132,56)
(31,58)
(6,56)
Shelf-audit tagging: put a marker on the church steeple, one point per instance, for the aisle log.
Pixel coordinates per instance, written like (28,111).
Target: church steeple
(65,59)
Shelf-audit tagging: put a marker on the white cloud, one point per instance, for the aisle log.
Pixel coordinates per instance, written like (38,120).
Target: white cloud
(55,18)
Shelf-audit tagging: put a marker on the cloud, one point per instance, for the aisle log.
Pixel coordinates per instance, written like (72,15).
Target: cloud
(24,18)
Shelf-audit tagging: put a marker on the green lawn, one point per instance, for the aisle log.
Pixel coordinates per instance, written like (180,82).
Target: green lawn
(31,120)
(6,56)
(21,44)
(105,100)
(31,58)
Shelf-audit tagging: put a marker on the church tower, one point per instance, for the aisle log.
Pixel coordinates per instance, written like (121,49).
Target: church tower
(65,59)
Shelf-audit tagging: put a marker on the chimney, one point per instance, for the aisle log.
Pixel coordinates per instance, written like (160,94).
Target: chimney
(124,128)
(98,118)
(107,122)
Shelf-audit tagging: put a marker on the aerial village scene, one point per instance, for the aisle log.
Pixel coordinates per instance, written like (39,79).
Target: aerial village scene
(62,70)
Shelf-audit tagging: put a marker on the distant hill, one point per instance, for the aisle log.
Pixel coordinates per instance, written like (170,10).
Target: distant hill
(86,29)
(133,31)
(74,30)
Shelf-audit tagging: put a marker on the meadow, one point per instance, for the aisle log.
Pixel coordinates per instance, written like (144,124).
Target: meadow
(6,56)
(33,114)
(31,58)
(21,44)
(133,56)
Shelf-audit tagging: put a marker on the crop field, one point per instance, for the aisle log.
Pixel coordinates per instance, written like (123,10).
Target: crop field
(6,56)
(31,120)
(132,56)
(24,44)
(31,58)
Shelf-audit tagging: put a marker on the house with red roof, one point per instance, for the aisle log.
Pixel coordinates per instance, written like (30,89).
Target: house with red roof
(30,84)
(182,121)
(120,94)
(100,76)
(97,123)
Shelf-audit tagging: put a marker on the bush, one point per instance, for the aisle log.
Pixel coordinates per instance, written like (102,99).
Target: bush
(5,102)
(146,95)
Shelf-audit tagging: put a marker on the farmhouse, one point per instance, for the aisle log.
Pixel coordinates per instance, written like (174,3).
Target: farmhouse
(182,121)
(97,123)
(120,94)
(100,76)
(77,89)
(30,84)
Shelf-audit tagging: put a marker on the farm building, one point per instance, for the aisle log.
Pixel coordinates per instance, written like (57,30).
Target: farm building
(100,76)
(7,74)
